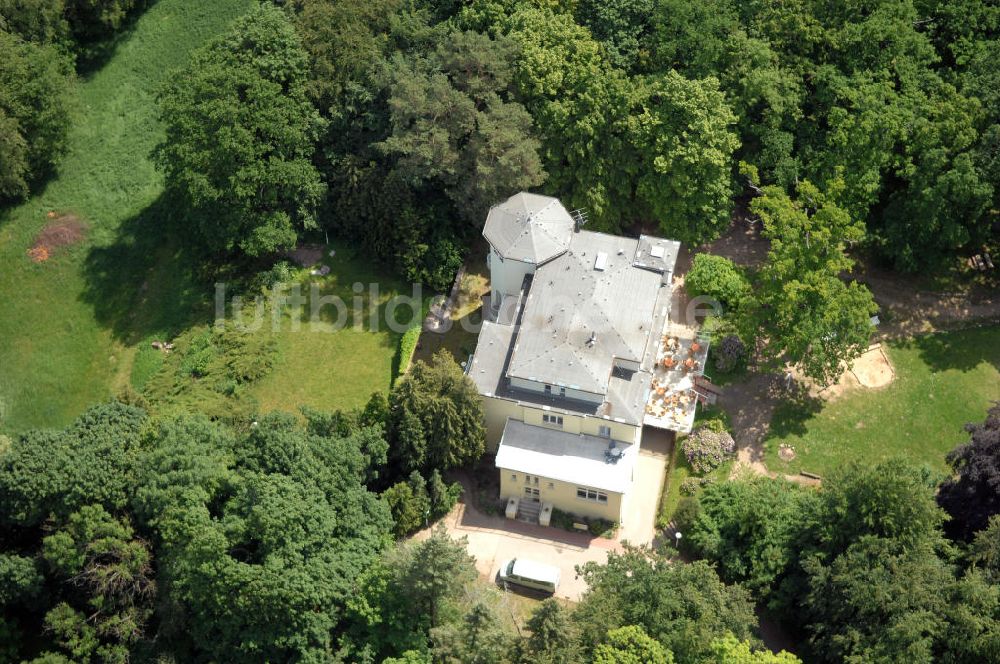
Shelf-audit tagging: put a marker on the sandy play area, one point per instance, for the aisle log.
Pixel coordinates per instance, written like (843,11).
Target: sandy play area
(872,370)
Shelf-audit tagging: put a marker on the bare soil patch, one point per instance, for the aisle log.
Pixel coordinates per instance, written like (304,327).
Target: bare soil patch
(62,230)
(306,255)
(873,369)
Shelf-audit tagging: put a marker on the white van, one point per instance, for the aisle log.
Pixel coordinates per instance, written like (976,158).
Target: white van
(530,574)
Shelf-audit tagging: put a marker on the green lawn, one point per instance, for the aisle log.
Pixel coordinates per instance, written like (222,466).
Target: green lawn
(76,329)
(326,368)
(70,324)
(942,382)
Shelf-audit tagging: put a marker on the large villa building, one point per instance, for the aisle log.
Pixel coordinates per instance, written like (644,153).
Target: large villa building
(576,355)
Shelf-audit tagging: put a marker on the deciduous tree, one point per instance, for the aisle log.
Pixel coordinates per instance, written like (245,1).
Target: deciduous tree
(972,497)
(683,607)
(631,645)
(240,134)
(802,310)
(36,89)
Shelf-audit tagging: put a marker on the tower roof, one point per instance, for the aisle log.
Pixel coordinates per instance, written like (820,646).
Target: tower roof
(529,227)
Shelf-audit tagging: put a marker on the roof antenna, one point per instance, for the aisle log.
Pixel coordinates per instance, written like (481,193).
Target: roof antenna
(579,218)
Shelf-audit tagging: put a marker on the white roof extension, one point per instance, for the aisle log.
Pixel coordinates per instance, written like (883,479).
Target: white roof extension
(574,458)
(529,227)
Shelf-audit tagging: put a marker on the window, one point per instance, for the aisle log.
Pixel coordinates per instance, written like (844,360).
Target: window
(592,495)
(536,480)
(604,430)
(548,389)
(552,485)
(557,420)
(562,391)
(513,477)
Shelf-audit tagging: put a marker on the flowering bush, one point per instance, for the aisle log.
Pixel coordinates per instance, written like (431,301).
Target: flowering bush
(706,448)
(729,353)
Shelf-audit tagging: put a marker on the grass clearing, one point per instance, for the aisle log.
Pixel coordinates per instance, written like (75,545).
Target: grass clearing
(942,382)
(77,327)
(71,324)
(327,368)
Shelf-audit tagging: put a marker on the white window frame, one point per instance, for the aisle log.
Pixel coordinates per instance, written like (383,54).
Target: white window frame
(591,495)
(553,420)
(604,430)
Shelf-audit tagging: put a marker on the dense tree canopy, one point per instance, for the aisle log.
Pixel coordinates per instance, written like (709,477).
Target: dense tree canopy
(93,461)
(35,93)
(240,134)
(262,546)
(683,607)
(835,563)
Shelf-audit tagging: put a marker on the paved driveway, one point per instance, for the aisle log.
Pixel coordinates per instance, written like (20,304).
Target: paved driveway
(651,467)
(494,539)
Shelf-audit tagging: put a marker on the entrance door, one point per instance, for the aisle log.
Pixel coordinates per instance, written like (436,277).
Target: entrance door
(531,493)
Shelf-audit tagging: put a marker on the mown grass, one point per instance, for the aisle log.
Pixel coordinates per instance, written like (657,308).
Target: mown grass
(942,382)
(70,324)
(331,365)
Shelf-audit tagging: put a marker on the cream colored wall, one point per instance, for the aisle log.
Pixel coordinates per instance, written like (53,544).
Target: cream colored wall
(497,410)
(562,496)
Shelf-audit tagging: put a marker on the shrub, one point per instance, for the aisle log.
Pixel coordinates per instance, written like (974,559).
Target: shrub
(691,485)
(716,424)
(443,496)
(409,504)
(729,353)
(687,513)
(602,527)
(705,448)
(407,346)
(279,273)
(596,527)
(718,278)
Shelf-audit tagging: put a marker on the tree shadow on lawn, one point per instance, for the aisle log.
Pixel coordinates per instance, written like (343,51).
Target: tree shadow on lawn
(963,350)
(146,282)
(795,407)
(95,53)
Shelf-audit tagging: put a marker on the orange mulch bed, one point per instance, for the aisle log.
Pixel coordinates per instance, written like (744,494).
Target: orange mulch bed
(63,230)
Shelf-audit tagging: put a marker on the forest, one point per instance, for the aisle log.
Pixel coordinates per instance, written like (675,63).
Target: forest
(402,121)
(847,129)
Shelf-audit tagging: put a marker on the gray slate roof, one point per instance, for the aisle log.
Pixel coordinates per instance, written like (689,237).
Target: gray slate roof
(529,227)
(578,319)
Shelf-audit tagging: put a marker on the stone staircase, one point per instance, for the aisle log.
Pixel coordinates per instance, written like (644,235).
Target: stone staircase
(528,511)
